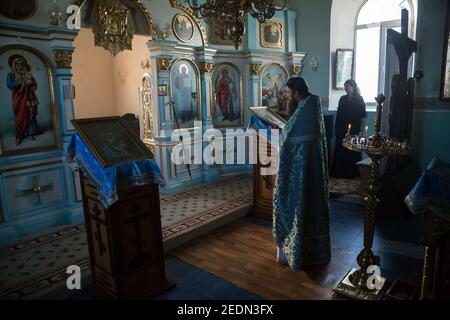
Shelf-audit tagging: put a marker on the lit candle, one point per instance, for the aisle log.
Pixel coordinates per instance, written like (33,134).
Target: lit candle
(349,127)
(367,130)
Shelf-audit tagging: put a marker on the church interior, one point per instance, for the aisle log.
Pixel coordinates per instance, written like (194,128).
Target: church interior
(93,91)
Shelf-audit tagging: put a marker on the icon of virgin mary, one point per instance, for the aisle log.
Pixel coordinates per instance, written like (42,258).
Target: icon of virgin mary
(24,100)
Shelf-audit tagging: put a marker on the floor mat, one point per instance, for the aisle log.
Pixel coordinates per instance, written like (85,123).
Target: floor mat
(34,266)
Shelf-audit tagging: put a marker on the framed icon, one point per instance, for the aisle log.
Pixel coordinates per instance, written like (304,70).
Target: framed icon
(183,27)
(29,117)
(344,67)
(273,86)
(271,34)
(111,140)
(218,34)
(227,96)
(185,93)
(162,90)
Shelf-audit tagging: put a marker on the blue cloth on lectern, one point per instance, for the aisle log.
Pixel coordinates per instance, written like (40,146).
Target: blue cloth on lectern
(433,187)
(258,124)
(132,173)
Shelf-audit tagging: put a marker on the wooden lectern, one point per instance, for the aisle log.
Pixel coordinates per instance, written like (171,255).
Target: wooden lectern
(263,185)
(125,242)
(122,212)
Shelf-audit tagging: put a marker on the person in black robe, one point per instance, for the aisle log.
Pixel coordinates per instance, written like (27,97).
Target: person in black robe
(351,110)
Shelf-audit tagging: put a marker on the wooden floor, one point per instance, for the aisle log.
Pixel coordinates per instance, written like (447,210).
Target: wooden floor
(244,253)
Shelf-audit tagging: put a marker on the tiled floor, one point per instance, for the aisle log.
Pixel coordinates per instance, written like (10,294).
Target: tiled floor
(396,242)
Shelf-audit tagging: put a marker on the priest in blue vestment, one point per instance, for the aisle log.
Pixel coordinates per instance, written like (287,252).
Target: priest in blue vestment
(300,199)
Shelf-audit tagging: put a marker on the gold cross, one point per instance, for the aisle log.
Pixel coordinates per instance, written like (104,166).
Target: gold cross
(37,189)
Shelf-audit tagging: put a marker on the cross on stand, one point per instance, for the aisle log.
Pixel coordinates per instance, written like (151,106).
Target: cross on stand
(401,101)
(135,219)
(404,46)
(98,233)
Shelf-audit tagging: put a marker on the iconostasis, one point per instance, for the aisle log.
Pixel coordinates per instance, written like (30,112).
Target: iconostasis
(196,79)
(201,81)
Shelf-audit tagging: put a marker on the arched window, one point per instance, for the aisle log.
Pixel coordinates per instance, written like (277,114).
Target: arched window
(374,19)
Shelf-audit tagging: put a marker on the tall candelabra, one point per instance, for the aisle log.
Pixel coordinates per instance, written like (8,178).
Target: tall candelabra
(355,283)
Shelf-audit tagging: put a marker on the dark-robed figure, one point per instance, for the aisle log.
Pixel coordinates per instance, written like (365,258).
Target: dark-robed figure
(351,110)
(300,200)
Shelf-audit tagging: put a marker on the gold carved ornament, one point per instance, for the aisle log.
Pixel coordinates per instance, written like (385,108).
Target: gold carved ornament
(113,26)
(206,67)
(296,69)
(63,58)
(147,108)
(255,68)
(142,9)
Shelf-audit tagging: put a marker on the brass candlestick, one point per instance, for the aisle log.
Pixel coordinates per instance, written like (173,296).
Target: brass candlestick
(354,283)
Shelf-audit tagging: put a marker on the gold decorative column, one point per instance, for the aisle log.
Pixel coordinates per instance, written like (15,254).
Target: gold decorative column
(355,282)
(63,58)
(147,112)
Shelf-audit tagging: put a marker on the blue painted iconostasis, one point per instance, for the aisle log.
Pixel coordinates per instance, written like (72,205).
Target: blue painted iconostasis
(197,80)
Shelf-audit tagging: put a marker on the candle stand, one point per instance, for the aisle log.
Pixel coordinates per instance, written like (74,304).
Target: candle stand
(357,283)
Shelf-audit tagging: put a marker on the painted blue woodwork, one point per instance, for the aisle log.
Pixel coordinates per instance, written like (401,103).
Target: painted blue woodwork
(21,214)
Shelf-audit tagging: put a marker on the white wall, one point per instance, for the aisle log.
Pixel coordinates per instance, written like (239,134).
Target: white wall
(342,35)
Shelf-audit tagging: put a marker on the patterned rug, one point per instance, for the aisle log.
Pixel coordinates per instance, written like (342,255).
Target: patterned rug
(346,190)
(343,186)
(32,268)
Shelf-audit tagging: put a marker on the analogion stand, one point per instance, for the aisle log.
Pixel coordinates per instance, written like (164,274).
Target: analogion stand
(119,181)
(125,242)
